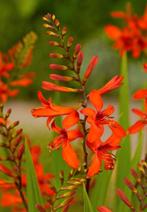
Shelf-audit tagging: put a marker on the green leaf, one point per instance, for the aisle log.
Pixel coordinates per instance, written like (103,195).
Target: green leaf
(99,192)
(138,152)
(87,203)
(124,154)
(33,191)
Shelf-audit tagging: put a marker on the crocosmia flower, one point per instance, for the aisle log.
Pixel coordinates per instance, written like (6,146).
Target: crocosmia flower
(132,37)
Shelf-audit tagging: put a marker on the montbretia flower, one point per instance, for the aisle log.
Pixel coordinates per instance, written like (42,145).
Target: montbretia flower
(101,152)
(49,109)
(65,137)
(100,117)
(132,37)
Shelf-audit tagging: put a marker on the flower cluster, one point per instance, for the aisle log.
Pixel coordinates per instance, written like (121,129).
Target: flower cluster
(17,58)
(12,165)
(84,124)
(132,37)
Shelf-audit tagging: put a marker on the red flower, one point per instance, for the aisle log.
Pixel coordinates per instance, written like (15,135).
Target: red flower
(49,109)
(99,117)
(5,92)
(132,37)
(65,137)
(102,153)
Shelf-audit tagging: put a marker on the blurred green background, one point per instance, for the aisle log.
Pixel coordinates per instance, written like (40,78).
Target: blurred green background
(84,19)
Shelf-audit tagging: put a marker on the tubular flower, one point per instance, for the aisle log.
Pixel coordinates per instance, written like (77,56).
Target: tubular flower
(132,37)
(49,109)
(65,137)
(99,117)
(101,152)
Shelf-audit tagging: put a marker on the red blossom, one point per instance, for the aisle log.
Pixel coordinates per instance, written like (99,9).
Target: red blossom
(49,109)
(65,137)
(132,37)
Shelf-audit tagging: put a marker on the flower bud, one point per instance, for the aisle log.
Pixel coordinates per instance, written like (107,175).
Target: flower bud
(58,67)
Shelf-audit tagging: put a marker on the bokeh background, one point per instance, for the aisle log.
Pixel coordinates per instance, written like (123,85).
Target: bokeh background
(85,20)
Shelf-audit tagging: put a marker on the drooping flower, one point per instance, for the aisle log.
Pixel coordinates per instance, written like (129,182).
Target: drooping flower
(65,137)
(100,117)
(101,152)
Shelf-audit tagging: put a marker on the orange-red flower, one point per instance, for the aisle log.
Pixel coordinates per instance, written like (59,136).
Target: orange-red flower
(49,109)
(132,37)
(65,137)
(101,152)
(99,117)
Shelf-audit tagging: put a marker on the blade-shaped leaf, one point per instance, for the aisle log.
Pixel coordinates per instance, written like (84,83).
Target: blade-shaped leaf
(99,192)
(33,191)
(124,154)
(87,203)
(138,152)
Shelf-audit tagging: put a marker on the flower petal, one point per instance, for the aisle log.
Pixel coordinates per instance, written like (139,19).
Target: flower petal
(94,166)
(70,156)
(70,120)
(74,134)
(95,99)
(136,127)
(114,83)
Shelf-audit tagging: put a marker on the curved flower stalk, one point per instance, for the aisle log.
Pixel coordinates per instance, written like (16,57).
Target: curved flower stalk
(81,124)
(138,188)
(133,36)
(12,165)
(11,66)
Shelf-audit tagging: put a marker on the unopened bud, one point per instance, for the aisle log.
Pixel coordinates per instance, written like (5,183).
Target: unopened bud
(50,33)
(55,55)
(64,31)
(70,42)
